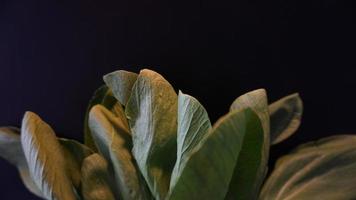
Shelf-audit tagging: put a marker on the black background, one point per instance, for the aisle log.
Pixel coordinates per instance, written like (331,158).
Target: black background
(54,53)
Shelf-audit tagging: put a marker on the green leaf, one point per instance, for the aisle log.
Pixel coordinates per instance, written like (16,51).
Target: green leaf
(252,164)
(257,101)
(114,142)
(102,96)
(193,125)
(250,170)
(318,170)
(95,178)
(10,145)
(121,83)
(45,159)
(74,154)
(11,150)
(152,114)
(208,171)
(285,114)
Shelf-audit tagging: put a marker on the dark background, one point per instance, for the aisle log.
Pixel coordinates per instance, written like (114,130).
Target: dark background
(54,53)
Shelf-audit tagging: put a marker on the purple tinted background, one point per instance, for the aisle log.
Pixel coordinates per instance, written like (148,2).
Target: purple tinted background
(54,53)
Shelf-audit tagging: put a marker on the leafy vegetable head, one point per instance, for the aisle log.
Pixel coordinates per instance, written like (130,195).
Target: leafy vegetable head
(144,141)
